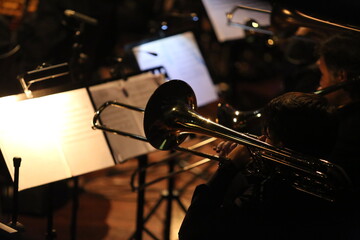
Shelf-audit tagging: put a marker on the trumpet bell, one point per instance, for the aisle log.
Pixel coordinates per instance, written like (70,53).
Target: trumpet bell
(170,98)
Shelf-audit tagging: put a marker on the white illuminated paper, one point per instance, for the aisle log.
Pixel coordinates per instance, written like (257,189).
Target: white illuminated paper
(136,92)
(181,57)
(53,135)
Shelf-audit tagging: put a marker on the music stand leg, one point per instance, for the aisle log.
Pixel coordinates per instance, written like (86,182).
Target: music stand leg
(51,232)
(142,162)
(170,197)
(14,228)
(14,221)
(75,206)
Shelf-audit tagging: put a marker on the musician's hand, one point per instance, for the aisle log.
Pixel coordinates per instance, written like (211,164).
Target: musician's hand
(224,148)
(262,138)
(237,153)
(240,156)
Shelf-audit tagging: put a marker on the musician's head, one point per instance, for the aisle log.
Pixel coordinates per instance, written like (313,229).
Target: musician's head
(303,122)
(339,61)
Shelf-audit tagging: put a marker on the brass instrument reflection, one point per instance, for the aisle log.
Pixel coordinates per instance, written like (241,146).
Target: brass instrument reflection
(170,116)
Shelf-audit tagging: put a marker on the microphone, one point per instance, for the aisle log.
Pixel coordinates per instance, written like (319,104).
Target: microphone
(79,16)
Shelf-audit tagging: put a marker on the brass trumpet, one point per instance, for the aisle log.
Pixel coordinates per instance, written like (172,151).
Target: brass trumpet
(170,116)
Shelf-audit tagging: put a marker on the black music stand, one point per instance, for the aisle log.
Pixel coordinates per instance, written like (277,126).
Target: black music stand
(50,230)
(42,80)
(101,103)
(142,162)
(13,230)
(170,195)
(14,222)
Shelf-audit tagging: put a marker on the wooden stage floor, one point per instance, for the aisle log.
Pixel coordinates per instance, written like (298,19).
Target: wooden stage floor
(107,206)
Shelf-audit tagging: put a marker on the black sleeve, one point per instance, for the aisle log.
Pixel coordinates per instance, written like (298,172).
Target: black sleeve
(205,218)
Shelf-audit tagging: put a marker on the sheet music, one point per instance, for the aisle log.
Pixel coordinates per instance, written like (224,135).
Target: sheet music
(53,134)
(182,59)
(217,9)
(53,137)
(85,149)
(135,91)
(141,87)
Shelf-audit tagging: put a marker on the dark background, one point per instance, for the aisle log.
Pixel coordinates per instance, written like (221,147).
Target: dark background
(247,72)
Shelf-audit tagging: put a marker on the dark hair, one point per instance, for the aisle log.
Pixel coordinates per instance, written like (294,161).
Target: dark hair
(303,122)
(342,52)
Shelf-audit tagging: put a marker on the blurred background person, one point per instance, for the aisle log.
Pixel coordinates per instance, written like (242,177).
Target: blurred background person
(339,63)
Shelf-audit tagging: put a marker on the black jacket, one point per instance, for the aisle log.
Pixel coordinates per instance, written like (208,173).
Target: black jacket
(263,209)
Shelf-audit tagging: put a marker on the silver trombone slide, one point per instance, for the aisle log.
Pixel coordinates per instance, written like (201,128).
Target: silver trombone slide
(170,158)
(97,122)
(98,125)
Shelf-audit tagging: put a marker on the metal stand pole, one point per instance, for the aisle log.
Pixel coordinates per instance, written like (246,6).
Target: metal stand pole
(140,200)
(14,222)
(75,206)
(169,195)
(51,232)
(13,232)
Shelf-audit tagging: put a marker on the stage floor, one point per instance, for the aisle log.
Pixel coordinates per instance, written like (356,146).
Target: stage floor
(107,206)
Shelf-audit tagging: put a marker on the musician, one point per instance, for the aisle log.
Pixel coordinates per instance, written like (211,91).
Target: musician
(234,205)
(339,62)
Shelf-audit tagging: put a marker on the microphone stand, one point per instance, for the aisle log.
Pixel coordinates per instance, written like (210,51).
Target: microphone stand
(78,59)
(14,221)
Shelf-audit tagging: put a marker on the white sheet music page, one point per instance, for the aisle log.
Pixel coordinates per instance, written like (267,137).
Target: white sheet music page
(85,150)
(135,91)
(53,137)
(181,57)
(217,9)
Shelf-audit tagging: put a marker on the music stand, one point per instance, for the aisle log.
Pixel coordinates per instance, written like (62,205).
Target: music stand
(14,228)
(181,56)
(170,195)
(37,153)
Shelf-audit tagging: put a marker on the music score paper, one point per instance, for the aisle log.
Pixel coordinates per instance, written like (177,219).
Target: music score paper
(53,134)
(217,9)
(53,137)
(181,57)
(135,91)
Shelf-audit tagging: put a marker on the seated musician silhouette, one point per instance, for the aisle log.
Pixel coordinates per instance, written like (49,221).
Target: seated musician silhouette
(236,205)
